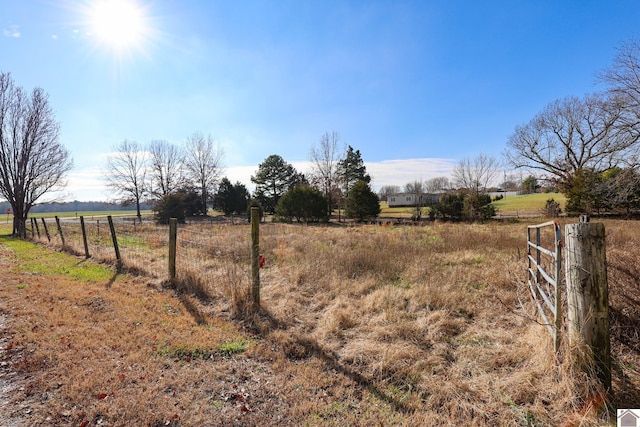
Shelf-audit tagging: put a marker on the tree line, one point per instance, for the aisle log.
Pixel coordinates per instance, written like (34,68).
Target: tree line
(337,180)
(186,181)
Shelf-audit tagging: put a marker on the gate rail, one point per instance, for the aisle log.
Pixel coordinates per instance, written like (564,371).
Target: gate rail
(545,285)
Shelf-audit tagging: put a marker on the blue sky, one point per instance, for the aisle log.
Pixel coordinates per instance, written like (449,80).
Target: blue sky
(414,85)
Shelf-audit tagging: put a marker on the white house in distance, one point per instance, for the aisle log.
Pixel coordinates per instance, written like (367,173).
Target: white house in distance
(411,199)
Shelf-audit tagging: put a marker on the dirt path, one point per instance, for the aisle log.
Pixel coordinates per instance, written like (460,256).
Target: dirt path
(9,380)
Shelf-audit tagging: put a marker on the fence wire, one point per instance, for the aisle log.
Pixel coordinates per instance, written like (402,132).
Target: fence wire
(212,258)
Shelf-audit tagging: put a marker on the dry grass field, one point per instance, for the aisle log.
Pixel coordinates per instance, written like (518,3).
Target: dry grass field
(371,325)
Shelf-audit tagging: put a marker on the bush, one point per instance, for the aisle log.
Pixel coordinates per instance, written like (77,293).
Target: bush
(361,202)
(170,206)
(463,205)
(302,203)
(552,208)
(450,207)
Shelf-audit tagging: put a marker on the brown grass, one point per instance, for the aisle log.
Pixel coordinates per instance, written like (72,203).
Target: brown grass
(358,326)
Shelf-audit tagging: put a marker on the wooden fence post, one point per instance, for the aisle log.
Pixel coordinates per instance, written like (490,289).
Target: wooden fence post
(255,255)
(84,237)
(46,230)
(587,294)
(34,221)
(114,239)
(173,240)
(60,230)
(32,232)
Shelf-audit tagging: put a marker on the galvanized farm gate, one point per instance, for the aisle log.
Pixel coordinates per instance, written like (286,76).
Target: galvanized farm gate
(544,266)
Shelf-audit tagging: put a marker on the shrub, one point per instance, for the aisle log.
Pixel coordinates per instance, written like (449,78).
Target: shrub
(302,203)
(361,202)
(552,208)
(170,206)
(463,205)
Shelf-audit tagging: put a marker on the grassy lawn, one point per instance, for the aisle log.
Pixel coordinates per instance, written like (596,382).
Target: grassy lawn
(510,205)
(528,202)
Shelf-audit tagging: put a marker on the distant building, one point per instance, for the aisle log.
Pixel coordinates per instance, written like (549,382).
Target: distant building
(411,199)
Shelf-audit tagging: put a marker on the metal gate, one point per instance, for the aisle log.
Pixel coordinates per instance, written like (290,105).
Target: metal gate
(545,264)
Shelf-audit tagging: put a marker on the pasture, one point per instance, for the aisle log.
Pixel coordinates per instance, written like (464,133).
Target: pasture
(527,204)
(524,205)
(367,325)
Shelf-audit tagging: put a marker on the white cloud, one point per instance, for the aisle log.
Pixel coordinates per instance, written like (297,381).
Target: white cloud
(85,185)
(402,171)
(12,31)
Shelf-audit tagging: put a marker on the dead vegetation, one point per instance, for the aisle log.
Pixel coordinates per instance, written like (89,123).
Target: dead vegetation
(358,326)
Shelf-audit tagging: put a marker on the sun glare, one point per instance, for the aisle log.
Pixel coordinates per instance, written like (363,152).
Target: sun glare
(119,24)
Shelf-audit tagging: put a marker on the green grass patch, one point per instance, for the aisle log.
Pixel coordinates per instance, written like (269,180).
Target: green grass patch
(528,202)
(229,348)
(188,351)
(133,241)
(39,260)
(400,212)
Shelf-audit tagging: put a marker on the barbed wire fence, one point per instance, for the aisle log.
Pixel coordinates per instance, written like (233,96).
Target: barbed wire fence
(209,254)
(139,246)
(212,261)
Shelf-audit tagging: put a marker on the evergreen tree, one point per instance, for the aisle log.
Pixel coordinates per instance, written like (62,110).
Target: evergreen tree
(231,198)
(351,169)
(274,178)
(170,206)
(530,185)
(302,203)
(222,200)
(362,203)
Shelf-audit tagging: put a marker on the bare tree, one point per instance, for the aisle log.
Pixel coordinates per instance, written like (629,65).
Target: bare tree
(623,80)
(416,188)
(388,190)
(166,162)
(476,174)
(325,163)
(32,161)
(203,161)
(570,135)
(438,184)
(126,173)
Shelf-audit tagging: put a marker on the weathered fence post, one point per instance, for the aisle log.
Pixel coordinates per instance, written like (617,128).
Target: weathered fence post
(32,232)
(114,239)
(34,221)
(255,255)
(173,240)
(84,237)
(587,293)
(46,230)
(60,230)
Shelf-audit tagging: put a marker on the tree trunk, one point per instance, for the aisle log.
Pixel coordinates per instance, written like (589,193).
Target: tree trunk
(138,210)
(19,221)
